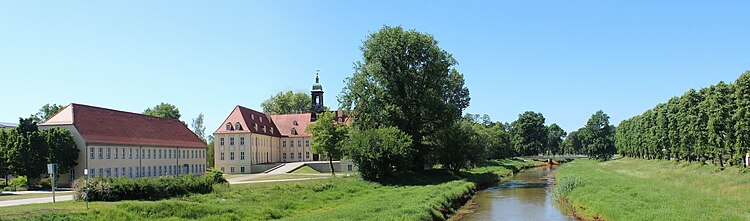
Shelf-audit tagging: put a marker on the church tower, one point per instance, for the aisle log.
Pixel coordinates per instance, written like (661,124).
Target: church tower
(317,98)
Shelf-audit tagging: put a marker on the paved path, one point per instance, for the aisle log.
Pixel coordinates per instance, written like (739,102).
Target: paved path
(34,200)
(288,167)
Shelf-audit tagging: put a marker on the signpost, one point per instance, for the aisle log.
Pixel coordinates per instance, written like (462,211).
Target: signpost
(52,171)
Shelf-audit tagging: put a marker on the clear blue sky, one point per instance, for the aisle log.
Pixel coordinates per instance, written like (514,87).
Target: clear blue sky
(565,59)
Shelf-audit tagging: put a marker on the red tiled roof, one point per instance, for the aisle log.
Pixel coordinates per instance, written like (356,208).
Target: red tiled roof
(106,126)
(250,121)
(285,123)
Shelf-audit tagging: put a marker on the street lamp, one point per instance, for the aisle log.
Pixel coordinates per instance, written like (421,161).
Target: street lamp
(86,177)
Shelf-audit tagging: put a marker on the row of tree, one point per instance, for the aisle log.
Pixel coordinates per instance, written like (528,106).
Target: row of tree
(25,150)
(707,125)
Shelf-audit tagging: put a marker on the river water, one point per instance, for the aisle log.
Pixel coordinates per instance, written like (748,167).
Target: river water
(524,196)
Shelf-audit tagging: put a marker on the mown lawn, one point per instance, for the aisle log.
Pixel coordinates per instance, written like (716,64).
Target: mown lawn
(632,189)
(414,196)
(306,169)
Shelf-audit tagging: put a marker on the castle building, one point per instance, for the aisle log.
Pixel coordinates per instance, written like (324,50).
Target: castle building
(248,138)
(115,143)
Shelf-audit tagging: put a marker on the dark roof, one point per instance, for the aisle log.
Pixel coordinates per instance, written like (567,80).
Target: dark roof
(106,126)
(286,122)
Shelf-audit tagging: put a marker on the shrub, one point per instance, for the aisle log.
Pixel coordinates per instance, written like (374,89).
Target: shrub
(18,183)
(45,183)
(115,189)
(565,185)
(379,152)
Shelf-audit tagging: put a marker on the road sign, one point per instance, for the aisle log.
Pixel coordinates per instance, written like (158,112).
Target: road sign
(52,169)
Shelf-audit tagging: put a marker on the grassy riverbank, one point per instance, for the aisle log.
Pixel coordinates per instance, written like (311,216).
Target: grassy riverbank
(632,189)
(423,196)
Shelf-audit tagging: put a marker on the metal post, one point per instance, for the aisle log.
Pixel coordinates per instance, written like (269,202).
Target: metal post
(53,188)
(86,197)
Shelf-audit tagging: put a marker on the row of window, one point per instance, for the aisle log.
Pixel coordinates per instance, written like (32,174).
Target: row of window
(242,156)
(299,143)
(299,155)
(263,142)
(150,171)
(120,153)
(238,126)
(231,169)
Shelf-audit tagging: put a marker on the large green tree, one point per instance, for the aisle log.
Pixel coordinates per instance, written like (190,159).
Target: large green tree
(62,148)
(198,127)
(27,150)
(741,116)
(210,152)
(529,135)
(328,137)
(288,103)
(46,112)
(572,143)
(164,110)
(555,135)
(4,139)
(407,81)
(597,137)
(458,146)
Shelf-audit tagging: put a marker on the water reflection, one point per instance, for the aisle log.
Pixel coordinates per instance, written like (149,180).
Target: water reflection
(524,196)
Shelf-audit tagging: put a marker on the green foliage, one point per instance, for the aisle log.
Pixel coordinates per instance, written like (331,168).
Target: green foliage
(328,137)
(210,153)
(378,153)
(198,127)
(529,135)
(458,147)
(710,125)
(572,144)
(555,136)
(116,189)
(18,182)
(27,149)
(565,185)
(598,137)
(46,112)
(288,103)
(62,149)
(164,110)
(405,80)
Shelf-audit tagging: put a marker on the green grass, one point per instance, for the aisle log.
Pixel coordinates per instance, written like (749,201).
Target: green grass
(284,176)
(409,196)
(230,176)
(632,189)
(306,169)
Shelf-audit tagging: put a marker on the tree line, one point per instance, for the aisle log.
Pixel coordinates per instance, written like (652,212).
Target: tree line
(709,125)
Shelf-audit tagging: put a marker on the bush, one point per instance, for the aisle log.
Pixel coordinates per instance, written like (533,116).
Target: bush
(115,189)
(565,185)
(379,152)
(17,183)
(45,183)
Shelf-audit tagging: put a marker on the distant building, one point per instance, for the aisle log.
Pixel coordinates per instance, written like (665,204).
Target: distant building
(7,126)
(249,137)
(115,143)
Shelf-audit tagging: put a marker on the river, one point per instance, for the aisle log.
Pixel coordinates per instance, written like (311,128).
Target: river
(524,196)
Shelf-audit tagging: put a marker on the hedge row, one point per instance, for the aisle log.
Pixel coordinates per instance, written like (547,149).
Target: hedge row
(115,189)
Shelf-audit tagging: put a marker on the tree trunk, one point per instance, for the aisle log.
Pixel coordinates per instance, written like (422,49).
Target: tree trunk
(330,162)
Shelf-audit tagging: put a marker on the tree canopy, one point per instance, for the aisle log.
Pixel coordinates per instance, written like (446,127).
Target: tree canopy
(598,137)
(405,80)
(164,110)
(46,112)
(328,137)
(288,103)
(529,135)
(198,127)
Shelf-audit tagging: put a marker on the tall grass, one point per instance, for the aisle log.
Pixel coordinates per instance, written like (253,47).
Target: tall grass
(632,189)
(409,196)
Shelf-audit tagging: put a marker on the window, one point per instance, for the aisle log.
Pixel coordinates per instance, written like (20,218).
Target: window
(293,132)
(221,141)
(143,172)
(130,156)
(143,154)
(101,153)
(116,153)
(299,143)
(283,143)
(136,154)
(109,172)
(242,141)
(231,155)
(242,155)
(295,123)
(109,153)
(264,128)
(237,126)
(285,156)
(300,155)
(307,143)
(261,119)
(169,154)
(229,126)
(307,155)
(130,172)
(71,174)
(291,155)
(255,127)
(160,171)
(159,154)
(149,153)
(116,171)
(192,153)
(271,129)
(242,169)
(91,153)
(101,171)
(231,169)
(92,172)
(349,167)
(222,156)
(256,141)
(222,169)
(231,141)
(149,171)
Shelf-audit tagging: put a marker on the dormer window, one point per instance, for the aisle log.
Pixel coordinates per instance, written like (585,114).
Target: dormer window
(261,120)
(295,123)
(252,116)
(264,129)
(272,130)
(229,126)
(255,127)
(237,126)
(294,131)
